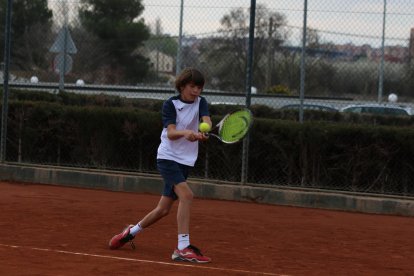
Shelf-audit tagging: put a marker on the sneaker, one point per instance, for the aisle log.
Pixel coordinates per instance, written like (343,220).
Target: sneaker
(119,240)
(190,254)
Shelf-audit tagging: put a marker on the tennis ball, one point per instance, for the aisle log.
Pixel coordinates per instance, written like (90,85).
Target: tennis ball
(204,127)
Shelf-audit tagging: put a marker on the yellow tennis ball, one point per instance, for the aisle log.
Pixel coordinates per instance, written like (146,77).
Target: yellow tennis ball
(204,127)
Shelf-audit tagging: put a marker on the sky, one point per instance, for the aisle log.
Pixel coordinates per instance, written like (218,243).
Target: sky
(338,21)
(351,21)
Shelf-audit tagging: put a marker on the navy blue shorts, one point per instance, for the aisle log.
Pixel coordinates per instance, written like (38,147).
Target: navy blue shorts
(172,173)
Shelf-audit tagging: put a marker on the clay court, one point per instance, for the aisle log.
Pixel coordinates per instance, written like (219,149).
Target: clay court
(54,230)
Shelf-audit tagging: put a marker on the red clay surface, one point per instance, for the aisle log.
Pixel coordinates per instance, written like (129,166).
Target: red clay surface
(52,230)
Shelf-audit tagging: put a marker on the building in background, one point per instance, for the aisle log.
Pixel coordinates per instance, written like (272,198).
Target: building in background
(161,63)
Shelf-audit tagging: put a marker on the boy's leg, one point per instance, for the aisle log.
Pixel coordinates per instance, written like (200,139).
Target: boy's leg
(162,209)
(185,197)
(185,251)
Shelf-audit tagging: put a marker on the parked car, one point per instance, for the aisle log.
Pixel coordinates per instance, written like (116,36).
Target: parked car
(224,103)
(378,109)
(318,107)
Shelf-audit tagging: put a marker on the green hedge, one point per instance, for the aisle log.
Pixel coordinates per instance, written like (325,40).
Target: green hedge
(335,156)
(125,136)
(99,137)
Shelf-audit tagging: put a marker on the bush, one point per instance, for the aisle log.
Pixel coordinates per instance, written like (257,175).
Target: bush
(324,153)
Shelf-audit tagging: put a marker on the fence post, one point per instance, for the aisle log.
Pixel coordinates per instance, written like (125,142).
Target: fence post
(302,60)
(381,70)
(4,114)
(245,153)
(180,40)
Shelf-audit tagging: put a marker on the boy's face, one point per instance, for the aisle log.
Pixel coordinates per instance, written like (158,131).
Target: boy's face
(191,91)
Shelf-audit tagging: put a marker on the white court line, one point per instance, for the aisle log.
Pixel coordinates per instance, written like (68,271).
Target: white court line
(141,261)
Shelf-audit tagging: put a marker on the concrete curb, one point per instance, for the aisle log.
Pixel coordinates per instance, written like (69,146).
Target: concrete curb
(145,183)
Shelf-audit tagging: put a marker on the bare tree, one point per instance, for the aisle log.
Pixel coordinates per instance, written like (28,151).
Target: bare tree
(227,53)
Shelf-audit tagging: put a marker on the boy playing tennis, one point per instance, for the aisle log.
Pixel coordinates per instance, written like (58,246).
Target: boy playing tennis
(177,153)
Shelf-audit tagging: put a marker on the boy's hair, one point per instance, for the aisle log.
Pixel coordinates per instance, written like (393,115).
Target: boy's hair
(189,75)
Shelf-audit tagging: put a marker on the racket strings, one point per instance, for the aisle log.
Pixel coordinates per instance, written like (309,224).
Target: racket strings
(235,126)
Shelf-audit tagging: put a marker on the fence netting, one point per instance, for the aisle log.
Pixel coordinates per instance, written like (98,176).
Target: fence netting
(356,52)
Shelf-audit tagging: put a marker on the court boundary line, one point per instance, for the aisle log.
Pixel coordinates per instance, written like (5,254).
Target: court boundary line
(138,260)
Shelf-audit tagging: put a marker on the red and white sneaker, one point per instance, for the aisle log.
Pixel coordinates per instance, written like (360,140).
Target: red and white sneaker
(190,254)
(119,240)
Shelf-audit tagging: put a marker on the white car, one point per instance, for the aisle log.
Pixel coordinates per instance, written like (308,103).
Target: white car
(378,109)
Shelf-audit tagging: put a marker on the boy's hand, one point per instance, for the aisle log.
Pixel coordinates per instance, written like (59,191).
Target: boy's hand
(204,136)
(195,136)
(191,136)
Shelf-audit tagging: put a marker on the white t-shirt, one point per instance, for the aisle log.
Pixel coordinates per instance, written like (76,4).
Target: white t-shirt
(185,115)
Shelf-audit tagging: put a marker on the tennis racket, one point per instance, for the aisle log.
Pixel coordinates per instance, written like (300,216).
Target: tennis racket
(233,127)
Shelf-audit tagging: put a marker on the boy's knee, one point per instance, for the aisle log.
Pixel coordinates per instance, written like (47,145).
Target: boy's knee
(183,192)
(162,212)
(188,196)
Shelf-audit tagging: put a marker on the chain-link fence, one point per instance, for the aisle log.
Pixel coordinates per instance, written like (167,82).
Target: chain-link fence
(145,42)
(356,52)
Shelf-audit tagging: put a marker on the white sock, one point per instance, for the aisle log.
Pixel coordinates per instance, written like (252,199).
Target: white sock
(183,241)
(136,229)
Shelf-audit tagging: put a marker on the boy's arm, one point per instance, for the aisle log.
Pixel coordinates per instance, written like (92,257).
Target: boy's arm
(174,134)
